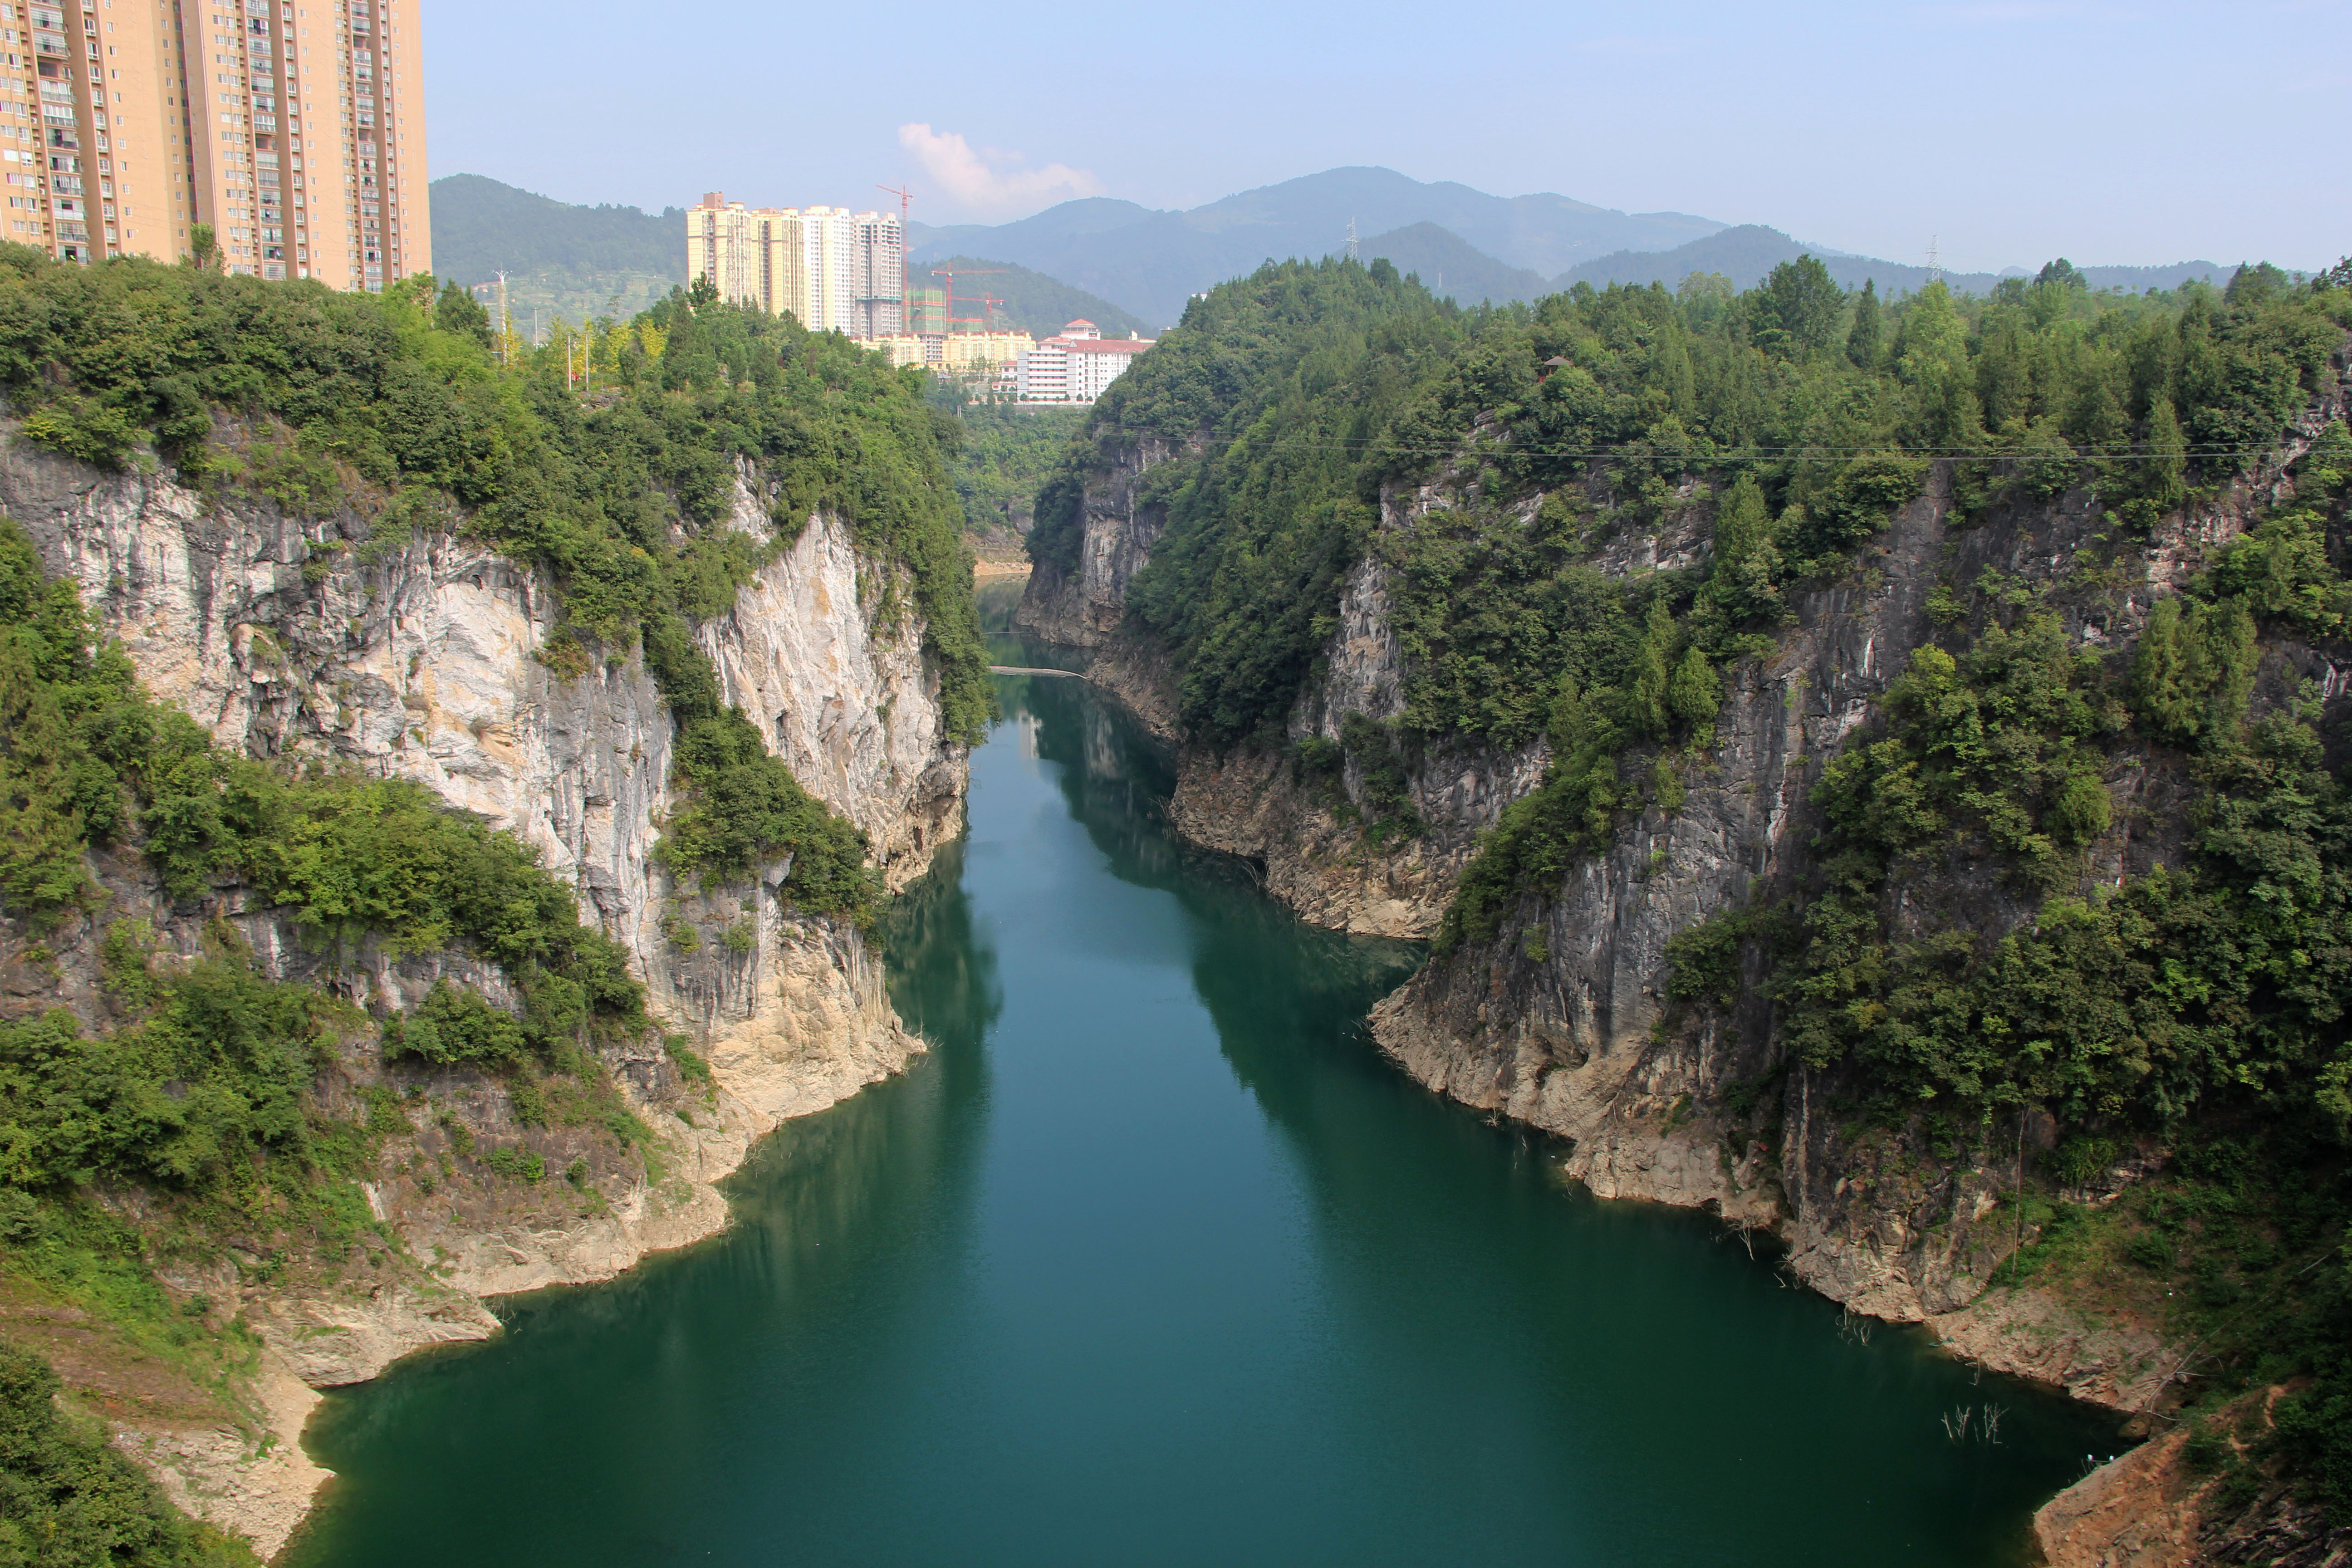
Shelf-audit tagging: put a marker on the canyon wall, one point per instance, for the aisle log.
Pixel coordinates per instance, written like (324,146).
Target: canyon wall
(1561,1021)
(420,658)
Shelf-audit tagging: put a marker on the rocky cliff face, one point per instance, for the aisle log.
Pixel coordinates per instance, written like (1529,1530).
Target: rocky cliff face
(1083,605)
(421,661)
(1562,1022)
(1317,858)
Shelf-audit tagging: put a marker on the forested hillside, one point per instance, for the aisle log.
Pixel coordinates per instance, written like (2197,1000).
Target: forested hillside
(1003,456)
(1591,519)
(186,1119)
(1030,302)
(482,226)
(560,258)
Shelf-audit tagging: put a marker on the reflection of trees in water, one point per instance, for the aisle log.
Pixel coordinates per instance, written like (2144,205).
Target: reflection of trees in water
(998,599)
(864,1203)
(943,977)
(1116,781)
(1282,994)
(1288,1001)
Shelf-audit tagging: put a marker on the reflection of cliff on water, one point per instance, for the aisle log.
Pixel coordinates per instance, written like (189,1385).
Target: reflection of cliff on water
(943,970)
(1633,1335)
(1116,781)
(848,1228)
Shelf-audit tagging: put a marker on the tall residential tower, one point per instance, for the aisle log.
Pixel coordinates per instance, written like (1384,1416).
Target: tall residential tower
(296,130)
(834,269)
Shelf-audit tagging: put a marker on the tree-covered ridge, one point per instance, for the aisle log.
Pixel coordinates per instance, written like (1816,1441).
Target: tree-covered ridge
(1290,376)
(2197,1007)
(1786,424)
(623,492)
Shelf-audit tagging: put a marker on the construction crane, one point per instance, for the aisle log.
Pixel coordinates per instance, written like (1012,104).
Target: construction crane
(948,321)
(906,200)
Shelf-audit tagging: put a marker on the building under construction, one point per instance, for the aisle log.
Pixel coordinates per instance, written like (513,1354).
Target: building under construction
(836,270)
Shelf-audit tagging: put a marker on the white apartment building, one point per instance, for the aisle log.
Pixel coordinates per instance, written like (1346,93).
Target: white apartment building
(833,269)
(1043,374)
(1075,365)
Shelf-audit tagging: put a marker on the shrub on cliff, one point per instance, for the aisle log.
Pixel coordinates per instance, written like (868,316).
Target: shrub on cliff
(68,1499)
(626,497)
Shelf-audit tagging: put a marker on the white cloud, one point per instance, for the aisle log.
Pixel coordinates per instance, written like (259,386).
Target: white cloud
(988,180)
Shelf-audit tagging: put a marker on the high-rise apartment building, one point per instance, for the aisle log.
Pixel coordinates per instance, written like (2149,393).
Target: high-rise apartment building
(834,269)
(295,130)
(878,284)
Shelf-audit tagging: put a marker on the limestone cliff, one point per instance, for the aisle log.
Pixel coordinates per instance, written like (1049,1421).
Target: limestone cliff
(1081,602)
(1562,1020)
(420,658)
(1251,802)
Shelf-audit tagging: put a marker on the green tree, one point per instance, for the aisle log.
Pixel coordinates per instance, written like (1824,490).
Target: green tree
(2164,477)
(1654,709)
(1863,342)
(459,313)
(1695,693)
(1796,310)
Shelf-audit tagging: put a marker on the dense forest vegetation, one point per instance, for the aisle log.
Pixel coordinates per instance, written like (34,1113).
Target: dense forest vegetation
(2199,1008)
(623,494)
(199,1088)
(1003,456)
(68,1499)
(483,226)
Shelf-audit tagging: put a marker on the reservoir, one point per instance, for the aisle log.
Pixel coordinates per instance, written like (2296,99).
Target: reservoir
(1154,1259)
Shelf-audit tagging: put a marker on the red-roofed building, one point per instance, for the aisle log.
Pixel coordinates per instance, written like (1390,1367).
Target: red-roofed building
(1075,364)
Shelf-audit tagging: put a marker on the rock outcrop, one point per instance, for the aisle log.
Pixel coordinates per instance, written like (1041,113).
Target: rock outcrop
(1562,1020)
(1311,839)
(1083,604)
(433,659)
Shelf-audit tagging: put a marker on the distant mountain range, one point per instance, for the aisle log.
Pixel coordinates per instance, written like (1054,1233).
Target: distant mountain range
(1125,266)
(1152,261)
(1462,242)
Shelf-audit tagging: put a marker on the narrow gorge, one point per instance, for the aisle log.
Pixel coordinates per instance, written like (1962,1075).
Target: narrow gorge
(1622,873)
(345,629)
(1377,619)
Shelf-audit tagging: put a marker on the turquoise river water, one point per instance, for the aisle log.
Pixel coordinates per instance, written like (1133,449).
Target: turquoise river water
(1152,1260)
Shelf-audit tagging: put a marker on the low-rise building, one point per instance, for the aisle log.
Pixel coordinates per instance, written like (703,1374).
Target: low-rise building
(957,353)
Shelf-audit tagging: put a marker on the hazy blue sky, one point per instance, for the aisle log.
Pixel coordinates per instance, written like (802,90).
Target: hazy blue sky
(2015,130)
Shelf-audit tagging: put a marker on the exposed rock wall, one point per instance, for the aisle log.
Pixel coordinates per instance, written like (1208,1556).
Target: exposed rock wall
(421,661)
(1249,800)
(1083,605)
